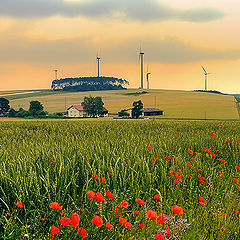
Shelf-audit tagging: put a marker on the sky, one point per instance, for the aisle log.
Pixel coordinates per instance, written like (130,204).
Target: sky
(177,37)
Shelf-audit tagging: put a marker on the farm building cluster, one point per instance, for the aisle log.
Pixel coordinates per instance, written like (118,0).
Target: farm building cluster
(77,111)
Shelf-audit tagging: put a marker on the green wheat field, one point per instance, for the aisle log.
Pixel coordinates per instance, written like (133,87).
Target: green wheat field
(48,169)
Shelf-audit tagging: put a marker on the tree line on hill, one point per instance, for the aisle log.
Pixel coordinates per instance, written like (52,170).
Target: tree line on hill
(89,84)
(35,109)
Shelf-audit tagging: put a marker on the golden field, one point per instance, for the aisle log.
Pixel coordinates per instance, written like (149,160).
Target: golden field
(174,103)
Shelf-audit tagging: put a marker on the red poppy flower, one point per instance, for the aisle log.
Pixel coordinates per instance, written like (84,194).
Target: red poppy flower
(190,151)
(168,231)
(117,211)
(55,205)
(109,194)
(159,236)
(161,218)
(237,167)
(237,212)
(75,219)
(91,194)
(109,226)
(97,177)
(97,221)
(235,180)
(151,214)
(202,204)
(142,225)
(211,134)
(157,197)
(122,221)
(178,210)
(140,201)
(124,204)
(137,212)
(82,210)
(103,180)
(201,199)
(224,215)
(19,204)
(99,197)
(128,225)
(65,221)
(54,230)
(82,232)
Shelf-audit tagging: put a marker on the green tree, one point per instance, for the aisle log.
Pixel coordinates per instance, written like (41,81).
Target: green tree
(137,107)
(4,105)
(36,109)
(12,113)
(22,113)
(93,106)
(123,113)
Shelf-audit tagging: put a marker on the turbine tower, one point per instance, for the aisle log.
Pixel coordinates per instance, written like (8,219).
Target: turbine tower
(98,61)
(141,55)
(206,77)
(56,74)
(147,74)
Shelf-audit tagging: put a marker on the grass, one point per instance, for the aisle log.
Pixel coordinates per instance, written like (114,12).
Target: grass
(45,161)
(175,104)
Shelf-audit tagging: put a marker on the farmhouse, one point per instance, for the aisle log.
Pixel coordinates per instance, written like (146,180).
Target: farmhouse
(77,111)
(147,112)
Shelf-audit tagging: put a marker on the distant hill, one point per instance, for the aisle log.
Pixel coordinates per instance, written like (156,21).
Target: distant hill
(210,91)
(81,84)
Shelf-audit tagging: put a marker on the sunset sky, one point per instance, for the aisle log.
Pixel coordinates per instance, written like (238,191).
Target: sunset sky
(177,36)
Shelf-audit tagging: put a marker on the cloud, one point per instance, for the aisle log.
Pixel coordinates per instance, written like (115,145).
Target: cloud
(142,10)
(168,50)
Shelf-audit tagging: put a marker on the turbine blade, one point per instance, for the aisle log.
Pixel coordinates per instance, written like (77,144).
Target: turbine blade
(204,70)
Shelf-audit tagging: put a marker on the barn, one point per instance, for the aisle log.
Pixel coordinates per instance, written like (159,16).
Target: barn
(147,112)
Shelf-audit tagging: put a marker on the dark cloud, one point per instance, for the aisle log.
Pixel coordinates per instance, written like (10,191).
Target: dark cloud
(143,10)
(169,50)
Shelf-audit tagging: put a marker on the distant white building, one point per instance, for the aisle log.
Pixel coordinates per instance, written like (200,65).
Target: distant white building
(77,111)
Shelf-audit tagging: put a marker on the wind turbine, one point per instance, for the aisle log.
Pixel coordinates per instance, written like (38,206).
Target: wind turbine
(206,77)
(56,74)
(98,61)
(141,55)
(147,74)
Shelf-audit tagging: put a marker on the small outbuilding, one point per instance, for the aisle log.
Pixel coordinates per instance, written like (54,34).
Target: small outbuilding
(147,112)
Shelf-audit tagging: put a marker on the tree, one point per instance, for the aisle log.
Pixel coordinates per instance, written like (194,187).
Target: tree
(93,106)
(4,105)
(12,113)
(22,113)
(123,113)
(36,108)
(137,107)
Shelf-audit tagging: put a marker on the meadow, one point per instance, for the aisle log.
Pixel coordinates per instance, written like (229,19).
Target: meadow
(174,103)
(119,179)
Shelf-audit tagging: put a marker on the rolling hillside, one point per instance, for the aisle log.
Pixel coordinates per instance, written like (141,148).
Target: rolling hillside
(174,103)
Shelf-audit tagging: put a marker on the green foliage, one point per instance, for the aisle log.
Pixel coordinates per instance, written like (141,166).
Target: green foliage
(36,109)
(12,113)
(22,113)
(4,105)
(136,110)
(132,156)
(93,106)
(89,84)
(123,113)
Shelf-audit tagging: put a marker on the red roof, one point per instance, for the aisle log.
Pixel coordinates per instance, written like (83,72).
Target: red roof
(78,107)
